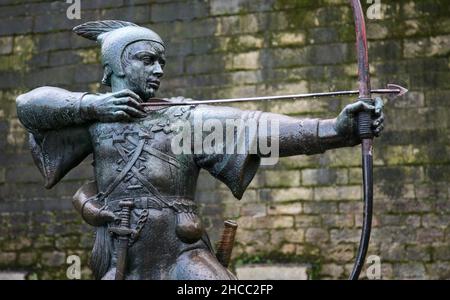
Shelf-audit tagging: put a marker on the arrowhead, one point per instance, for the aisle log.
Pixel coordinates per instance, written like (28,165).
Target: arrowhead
(400,90)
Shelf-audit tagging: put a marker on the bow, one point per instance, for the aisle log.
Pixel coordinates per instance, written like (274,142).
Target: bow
(365,132)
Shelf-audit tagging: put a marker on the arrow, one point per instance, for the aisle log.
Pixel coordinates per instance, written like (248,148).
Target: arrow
(391,89)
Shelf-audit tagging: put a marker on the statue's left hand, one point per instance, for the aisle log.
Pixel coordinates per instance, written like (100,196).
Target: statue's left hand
(346,124)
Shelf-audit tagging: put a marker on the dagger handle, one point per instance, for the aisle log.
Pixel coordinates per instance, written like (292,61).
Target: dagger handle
(125,213)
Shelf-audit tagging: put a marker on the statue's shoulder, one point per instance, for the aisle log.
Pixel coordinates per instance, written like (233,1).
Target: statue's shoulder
(179,112)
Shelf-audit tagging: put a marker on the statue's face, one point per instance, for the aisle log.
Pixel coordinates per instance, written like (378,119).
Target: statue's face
(143,63)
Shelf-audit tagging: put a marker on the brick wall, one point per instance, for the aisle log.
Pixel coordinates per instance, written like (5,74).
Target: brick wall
(305,209)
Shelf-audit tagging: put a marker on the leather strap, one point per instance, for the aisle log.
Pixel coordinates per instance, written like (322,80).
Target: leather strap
(125,170)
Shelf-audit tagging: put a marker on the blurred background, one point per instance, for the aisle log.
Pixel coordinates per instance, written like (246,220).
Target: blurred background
(304,214)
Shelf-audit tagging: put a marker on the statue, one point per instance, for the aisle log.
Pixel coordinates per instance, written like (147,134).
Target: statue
(142,200)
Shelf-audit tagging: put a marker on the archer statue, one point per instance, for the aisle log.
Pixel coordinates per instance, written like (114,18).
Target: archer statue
(142,199)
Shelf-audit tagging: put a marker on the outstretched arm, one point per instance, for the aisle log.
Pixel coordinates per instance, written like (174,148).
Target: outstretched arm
(287,135)
(313,136)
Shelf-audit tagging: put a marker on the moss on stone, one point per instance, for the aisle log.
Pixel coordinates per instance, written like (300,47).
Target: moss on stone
(89,56)
(24,47)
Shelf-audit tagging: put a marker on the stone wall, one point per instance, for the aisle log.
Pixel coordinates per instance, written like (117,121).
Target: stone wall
(303,210)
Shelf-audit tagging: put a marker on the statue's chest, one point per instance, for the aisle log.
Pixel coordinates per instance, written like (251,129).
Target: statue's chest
(157,130)
(111,139)
(140,154)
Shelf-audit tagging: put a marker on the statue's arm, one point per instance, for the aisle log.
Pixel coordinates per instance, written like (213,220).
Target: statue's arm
(49,108)
(59,138)
(297,136)
(293,136)
(313,136)
(301,136)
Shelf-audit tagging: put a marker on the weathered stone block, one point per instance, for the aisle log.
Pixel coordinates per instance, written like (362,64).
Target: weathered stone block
(418,253)
(433,46)
(320,207)
(316,235)
(243,61)
(323,35)
(344,235)
(7,258)
(267,222)
(340,253)
(53,259)
(69,242)
(297,107)
(409,271)
(392,251)
(327,54)
(287,235)
(377,31)
(6,45)
(430,235)
(285,209)
(27,259)
(242,24)
(338,221)
(338,193)
(332,271)
(288,39)
(2,175)
(164,12)
(288,194)
(288,249)
(16,26)
(18,244)
(281,178)
(219,7)
(324,176)
(305,221)
(246,237)
(253,209)
(438,270)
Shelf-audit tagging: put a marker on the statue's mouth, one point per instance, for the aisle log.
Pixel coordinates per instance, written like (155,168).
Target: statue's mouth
(154,83)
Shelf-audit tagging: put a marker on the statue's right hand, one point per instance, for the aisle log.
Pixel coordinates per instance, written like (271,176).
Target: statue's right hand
(112,107)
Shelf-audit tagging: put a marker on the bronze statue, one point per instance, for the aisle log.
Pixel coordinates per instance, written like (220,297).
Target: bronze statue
(142,199)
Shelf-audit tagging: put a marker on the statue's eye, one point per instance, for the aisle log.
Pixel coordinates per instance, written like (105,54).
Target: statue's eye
(147,60)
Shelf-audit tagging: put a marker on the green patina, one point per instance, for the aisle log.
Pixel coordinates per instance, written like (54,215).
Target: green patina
(238,44)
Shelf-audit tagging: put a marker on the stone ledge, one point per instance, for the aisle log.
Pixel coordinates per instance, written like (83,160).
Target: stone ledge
(273,272)
(11,275)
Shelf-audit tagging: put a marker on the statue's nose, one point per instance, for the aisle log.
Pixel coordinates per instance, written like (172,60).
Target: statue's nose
(158,71)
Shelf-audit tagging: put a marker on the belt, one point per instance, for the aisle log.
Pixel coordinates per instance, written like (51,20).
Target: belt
(177,203)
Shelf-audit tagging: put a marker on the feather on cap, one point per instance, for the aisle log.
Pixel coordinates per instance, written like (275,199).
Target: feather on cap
(93,29)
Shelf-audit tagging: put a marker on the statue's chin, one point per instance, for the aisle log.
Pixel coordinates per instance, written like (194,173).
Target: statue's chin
(149,93)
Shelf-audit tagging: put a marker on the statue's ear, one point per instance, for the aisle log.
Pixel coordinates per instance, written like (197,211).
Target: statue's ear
(107,72)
